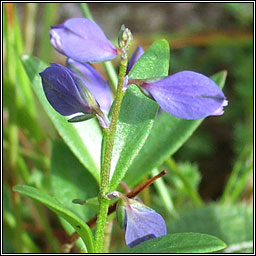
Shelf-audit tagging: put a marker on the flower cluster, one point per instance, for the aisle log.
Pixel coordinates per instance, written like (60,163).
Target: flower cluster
(79,88)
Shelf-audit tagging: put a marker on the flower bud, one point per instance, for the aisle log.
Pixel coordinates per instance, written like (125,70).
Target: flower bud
(124,41)
(121,214)
(63,92)
(68,95)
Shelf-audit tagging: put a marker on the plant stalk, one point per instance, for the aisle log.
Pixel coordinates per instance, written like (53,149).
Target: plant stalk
(109,134)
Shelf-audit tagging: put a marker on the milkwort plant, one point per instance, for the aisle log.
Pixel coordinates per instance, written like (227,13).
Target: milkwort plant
(126,117)
(79,89)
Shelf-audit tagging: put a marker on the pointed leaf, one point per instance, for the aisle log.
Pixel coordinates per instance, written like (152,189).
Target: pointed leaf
(137,111)
(78,224)
(180,243)
(84,138)
(166,137)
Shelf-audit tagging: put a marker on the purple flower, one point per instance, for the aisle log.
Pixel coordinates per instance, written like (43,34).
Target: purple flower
(94,82)
(67,94)
(135,57)
(82,40)
(140,222)
(62,91)
(187,94)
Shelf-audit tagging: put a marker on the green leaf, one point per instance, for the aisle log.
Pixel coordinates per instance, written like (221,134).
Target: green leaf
(79,225)
(137,112)
(232,224)
(84,139)
(70,181)
(166,137)
(180,243)
(153,63)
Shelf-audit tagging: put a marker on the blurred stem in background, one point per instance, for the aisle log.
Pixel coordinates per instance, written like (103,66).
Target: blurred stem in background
(50,17)
(13,139)
(29,25)
(191,191)
(239,176)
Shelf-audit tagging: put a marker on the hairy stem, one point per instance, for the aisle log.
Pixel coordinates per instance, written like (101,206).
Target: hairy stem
(107,156)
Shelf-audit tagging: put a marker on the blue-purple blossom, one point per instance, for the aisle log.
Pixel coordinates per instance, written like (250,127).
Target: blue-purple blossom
(82,40)
(63,91)
(140,222)
(94,82)
(68,95)
(187,94)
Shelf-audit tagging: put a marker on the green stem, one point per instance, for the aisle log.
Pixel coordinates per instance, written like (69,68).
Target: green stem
(239,176)
(13,137)
(30,154)
(86,11)
(109,138)
(109,135)
(50,16)
(191,191)
(30,26)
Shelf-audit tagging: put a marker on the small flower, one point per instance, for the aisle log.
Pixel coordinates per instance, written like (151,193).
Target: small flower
(67,94)
(94,82)
(82,40)
(187,94)
(140,222)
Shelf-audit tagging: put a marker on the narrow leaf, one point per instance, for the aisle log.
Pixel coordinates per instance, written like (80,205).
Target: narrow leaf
(181,243)
(137,111)
(79,225)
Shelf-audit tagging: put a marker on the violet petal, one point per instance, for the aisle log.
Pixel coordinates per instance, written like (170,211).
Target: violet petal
(62,91)
(82,40)
(135,57)
(93,81)
(187,95)
(143,223)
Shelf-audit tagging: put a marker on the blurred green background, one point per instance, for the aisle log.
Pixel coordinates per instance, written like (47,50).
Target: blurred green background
(204,37)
